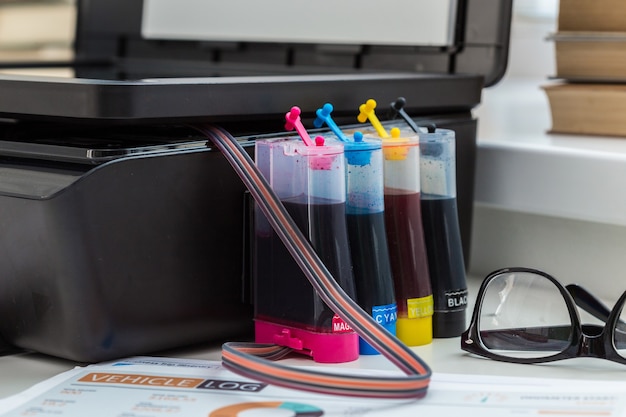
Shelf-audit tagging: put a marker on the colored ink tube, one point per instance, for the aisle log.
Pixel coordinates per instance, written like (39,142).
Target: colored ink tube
(405,238)
(442,233)
(308,177)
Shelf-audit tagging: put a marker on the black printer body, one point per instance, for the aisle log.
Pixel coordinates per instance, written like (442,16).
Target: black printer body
(122,230)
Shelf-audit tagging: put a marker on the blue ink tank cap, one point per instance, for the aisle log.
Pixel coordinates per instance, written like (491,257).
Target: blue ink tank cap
(359,151)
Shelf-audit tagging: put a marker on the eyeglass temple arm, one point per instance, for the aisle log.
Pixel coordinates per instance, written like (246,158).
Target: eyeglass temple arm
(585,300)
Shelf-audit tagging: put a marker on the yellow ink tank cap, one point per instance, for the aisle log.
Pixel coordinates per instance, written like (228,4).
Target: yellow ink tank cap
(396,148)
(415,332)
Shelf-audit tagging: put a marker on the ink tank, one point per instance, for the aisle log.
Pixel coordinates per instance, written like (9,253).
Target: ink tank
(405,237)
(405,233)
(366,231)
(366,225)
(442,232)
(309,180)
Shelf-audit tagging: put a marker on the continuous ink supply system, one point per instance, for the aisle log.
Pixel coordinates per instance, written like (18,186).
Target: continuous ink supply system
(366,225)
(253,360)
(405,234)
(308,177)
(442,233)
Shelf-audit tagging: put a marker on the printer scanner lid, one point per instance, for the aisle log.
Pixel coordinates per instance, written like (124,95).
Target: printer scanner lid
(138,61)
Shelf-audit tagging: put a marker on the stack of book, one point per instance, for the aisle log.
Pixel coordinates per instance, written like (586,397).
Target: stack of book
(590,50)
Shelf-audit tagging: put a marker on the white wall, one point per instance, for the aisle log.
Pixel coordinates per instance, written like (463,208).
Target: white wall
(530,54)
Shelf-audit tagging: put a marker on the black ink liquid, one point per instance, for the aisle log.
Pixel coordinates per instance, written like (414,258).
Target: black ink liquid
(445,261)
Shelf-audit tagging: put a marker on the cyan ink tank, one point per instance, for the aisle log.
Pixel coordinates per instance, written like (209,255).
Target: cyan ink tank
(309,180)
(366,230)
(366,225)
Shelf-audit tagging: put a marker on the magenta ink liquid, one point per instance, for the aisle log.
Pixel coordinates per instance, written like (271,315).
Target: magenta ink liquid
(283,293)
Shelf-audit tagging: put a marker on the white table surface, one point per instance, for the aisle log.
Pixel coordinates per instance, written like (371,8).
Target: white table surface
(20,371)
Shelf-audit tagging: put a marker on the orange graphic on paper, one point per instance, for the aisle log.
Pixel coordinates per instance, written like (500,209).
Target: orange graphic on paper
(233,410)
(144,380)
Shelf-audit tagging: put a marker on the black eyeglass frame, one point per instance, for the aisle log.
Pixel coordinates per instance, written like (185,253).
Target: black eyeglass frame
(587,340)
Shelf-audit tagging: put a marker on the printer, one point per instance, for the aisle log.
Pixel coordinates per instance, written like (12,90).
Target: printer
(122,230)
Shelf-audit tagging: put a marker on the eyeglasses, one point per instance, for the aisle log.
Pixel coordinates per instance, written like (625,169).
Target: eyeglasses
(526,316)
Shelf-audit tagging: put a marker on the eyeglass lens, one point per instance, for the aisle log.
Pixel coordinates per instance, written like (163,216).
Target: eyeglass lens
(524,315)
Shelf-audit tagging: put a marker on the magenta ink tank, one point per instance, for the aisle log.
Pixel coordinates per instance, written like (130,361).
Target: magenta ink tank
(309,180)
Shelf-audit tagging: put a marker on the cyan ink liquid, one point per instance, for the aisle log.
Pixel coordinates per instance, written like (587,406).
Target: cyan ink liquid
(370,259)
(372,271)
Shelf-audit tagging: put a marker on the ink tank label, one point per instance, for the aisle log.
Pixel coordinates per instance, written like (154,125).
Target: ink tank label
(385,315)
(340,326)
(456,299)
(420,307)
